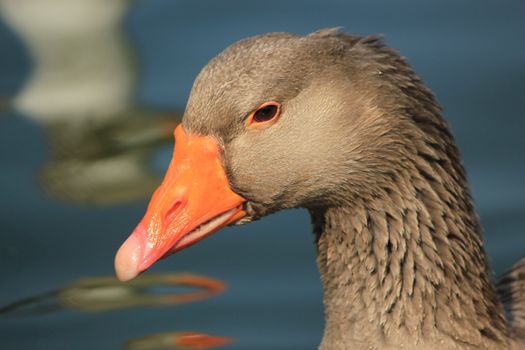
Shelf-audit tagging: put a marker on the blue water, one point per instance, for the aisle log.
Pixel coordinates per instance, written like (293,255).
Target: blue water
(471,56)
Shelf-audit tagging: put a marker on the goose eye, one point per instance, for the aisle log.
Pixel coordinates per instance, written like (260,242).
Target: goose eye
(267,113)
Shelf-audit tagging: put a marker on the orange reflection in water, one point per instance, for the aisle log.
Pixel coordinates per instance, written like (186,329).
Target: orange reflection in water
(96,294)
(106,293)
(178,340)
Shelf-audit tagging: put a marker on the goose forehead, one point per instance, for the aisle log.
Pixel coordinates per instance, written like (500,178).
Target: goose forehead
(276,66)
(254,65)
(243,77)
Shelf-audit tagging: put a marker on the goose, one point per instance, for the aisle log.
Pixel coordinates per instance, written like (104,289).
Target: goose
(341,125)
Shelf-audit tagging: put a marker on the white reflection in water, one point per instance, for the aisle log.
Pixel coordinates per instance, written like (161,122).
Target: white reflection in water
(83,67)
(81,92)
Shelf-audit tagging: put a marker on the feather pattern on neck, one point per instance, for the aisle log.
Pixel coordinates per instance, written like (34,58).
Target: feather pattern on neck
(407,267)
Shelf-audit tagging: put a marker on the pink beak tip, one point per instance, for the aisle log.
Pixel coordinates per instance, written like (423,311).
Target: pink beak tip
(129,258)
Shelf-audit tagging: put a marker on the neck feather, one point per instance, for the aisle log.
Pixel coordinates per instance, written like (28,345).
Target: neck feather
(407,267)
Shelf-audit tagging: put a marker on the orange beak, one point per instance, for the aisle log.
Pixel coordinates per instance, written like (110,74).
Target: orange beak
(193,201)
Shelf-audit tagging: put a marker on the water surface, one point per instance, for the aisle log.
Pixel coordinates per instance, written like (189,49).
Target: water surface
(65,225)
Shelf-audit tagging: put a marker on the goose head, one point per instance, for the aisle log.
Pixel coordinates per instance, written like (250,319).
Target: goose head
(273,122)
(342,126)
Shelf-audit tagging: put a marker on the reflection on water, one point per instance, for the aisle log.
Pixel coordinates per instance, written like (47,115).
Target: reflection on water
(5,103)
(107,293)
(83,66)
(81,92)
(106,162)
(177,340)
(100,294)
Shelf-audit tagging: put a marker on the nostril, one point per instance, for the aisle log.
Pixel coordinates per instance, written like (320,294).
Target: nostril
(172,212)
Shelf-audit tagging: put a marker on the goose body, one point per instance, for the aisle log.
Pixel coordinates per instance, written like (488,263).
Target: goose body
(340,125)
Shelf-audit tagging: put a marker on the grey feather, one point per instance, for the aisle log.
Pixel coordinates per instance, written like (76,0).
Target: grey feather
(362,145)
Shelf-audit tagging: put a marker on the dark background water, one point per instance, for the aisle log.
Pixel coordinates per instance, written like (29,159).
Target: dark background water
(472,55)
